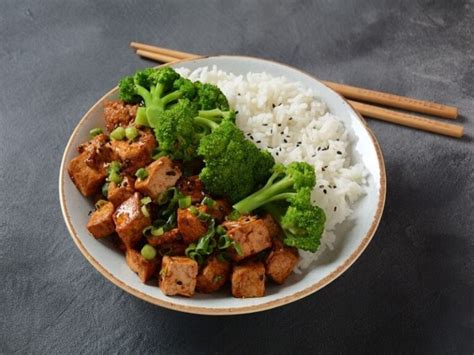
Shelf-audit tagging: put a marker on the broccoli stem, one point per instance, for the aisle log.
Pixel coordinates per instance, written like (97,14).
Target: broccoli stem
(155,102)
(206,123)
(279,190)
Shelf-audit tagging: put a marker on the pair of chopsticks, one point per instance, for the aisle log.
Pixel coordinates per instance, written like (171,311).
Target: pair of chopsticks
(352,93)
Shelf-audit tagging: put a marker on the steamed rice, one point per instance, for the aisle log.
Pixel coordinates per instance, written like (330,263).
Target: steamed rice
(293,124)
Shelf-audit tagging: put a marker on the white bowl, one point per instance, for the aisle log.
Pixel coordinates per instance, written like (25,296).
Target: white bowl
(351,241)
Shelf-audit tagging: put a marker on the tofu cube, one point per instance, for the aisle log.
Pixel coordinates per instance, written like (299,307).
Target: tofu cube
(137,263)
(281,261)
(101,222)
(248,280)
(251,234)
(117,113)
(119,193)
(178,276)
(190,226)
(162,174)
(130,221)
(88,180)
(134,154)
(213,275)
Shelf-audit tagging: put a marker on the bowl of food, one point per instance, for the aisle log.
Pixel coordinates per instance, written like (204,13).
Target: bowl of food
(222,185)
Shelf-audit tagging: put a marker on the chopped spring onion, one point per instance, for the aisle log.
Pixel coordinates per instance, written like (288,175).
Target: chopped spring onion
(100,203)
(147,230)
(234,215)
(224,242)
(141,173)
(145,211)
(194,211)
(157,231)
(148,252)
(115,177)
(237,248)
(220,230)
(131,133)
(184,202)
(209,202)
(205,217)
(95,132)
(118,134)
(145,200)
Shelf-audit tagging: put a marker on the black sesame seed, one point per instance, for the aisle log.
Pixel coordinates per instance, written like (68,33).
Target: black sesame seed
(325,191)
(265,124)
(271,130)
(258,142)
(319,148)
(334,186)
(313,156)
(335,208)
(279,125)
(284,140)
(290,118)
(236,112)
(300,142)
(273,105)
(339,152)
(281,132)
(276,153)
(238,94)
(321,186)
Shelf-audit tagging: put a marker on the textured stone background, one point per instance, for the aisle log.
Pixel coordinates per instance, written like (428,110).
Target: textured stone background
(411,291)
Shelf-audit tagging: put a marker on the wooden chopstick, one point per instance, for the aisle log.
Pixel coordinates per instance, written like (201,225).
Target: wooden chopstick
(404,119)
(408,120)
(386,99)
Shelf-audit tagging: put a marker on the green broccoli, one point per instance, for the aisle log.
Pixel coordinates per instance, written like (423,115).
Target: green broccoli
(282,184)
(210,96)
(287,197)
(234,166)
(175,131)
(301,222)
(158,88)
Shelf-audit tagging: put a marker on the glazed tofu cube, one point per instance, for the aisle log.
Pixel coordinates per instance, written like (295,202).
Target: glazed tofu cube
(134,154)
(143,267)
(162,174)
(250,233)
(248,280)
(213,275)
(98,151)
(130,221)
(101,223)
(117,113)
(178,276)
(119,193)
(281,261)
(87,180)
(190,226)
(191,186)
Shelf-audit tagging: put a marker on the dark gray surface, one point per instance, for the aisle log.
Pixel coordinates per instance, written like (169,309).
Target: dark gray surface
(412,290)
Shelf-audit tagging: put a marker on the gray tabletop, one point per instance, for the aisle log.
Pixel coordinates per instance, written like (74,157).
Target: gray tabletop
(411,290)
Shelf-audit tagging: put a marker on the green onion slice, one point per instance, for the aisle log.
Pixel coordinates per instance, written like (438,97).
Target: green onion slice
(95,132)
(184,202)
(141,173)
(118,134)
(148,252)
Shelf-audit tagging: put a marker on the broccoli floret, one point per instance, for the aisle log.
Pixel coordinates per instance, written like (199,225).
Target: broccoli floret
(301,222)
(210,96)
(176,132)
(234,166)
(158,88)
(282,184)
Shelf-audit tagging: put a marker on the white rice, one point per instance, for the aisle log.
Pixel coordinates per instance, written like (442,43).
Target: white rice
(292,123)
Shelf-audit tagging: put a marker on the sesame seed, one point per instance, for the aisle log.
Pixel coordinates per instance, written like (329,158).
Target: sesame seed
(290,118)
(299,142)
(277,153)
(281,132)
(319,148)
(335,208)
(258,142)
(273,105)
(325,191)
(321,186)
(284,140)
(264,124)
(314,155)
(334,186)
(339,152)
(236,112)
(279,125)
